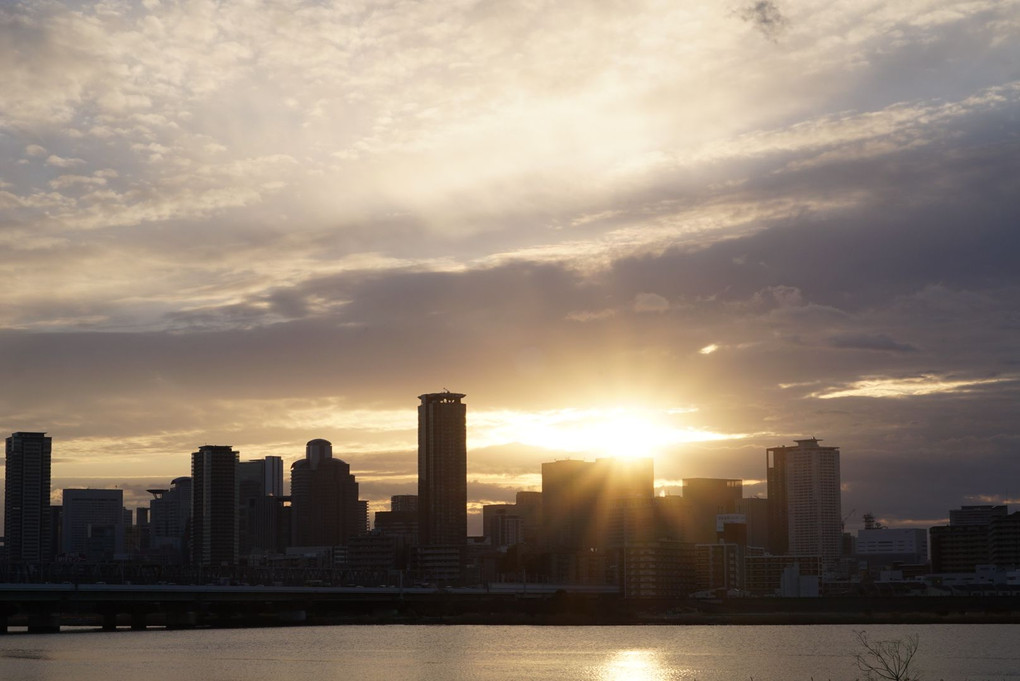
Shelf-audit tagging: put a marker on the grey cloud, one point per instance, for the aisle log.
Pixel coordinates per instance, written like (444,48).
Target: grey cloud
(858,341)
(766,17)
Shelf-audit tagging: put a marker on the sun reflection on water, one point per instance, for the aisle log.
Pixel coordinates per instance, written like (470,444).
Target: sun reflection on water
(634,665)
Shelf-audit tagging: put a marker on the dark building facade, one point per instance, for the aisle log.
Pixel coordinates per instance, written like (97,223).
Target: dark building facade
(580,498)
(260,490)
(324,499)
(975,535)
(706,499)
(442,469)
(170,522)
(27,525)
(214,503)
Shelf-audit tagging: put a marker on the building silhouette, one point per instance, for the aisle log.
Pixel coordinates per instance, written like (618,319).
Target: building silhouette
(883,547)
(706,499)
(580,499)
(259,490)
(442,470)
(27,525)
(214,500)
(93,524)
(170,521)
(324,499)
(804,501)
(967,541)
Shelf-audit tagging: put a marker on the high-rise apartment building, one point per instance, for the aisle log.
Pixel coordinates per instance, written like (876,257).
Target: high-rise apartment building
(804,501)
(324,499)
(27,526)
(214,497)
(442,469)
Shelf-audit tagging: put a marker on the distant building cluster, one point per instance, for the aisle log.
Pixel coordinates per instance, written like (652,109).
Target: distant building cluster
(595,523)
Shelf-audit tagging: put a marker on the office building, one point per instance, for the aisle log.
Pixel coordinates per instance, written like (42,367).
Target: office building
(324,499)
(804,501)
(975,536)
(756,515)
(882,548)
(214,514)
(260,489)
(93,524)
(579,499)
(27,525)
(170,522)
(501,526)
(707,498)
(442,470)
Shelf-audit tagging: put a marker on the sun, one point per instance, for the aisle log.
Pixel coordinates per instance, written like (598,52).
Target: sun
(627,436)
(619,432)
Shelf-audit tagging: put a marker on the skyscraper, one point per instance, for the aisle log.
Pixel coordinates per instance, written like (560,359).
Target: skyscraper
(804,500)
(324,499)
(27,498)
(214,505)
(442,469)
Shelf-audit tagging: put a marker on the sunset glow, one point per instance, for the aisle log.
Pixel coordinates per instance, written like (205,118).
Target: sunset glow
(626,433)
(686,231)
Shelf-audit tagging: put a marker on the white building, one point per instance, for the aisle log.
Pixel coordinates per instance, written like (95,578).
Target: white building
(908,545)
(804,501)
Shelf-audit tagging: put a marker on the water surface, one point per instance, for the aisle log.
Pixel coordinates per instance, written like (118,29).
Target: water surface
(502,653)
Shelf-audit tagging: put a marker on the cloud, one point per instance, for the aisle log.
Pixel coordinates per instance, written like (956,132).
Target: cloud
(258,224)
(59,162)
(650,302)
(766,17)
(908,387)
(858,341)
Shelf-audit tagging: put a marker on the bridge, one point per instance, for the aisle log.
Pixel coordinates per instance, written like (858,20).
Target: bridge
(46,607)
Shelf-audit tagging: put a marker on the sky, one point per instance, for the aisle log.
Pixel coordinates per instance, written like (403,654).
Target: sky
(684,230)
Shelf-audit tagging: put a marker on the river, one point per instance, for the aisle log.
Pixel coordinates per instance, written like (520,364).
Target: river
(972,652)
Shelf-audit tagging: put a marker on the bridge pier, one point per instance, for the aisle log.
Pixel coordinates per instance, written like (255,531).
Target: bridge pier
(138,618)
(181,619)
(109,621)
(45,622)
(291,616)
(3,624)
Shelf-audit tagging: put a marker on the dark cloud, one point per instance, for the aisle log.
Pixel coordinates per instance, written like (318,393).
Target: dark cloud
(766,17)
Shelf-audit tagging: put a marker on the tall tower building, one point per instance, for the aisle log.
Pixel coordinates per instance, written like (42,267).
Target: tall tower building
(804,500)
(442,469)
(214,505)
(27,499)
(324,499)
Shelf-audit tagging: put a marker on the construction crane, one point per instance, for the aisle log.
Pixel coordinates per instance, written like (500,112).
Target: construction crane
(847,517)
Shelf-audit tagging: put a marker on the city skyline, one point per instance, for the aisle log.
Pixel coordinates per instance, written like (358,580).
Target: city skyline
(691,231)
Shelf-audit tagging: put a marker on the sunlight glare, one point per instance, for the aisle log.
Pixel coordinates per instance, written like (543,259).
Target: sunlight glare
(627,433)
(633,665)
